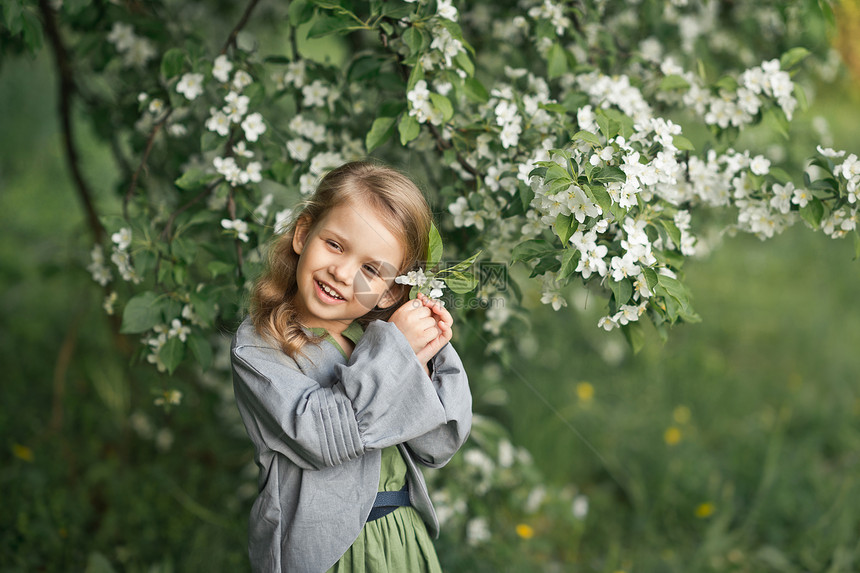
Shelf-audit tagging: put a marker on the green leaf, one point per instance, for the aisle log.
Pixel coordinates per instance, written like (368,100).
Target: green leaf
(201,349)
(556,62)
(220,268)
(395,12)
(380,131)
(569,261)
(601,197)
(683,143)
(31,31)
(204,308)
(475,90)
(409,128)
(727,83)
(526,194)
(12,16)
(622,290)
(800,96)
(463,265)
(812,212)
(185,250)
(587,137)
(141,313)
(300,11)
(674,82)
(650,277)
(171,353)
(635,335)
(531,249)
(780,174)
(461,283)
(610,174)
(776,120)
(194,179)
(608,127)
(414,39)
(415,76)
(435,248)
(443,104)
(565,226)
(677,299)
(98,563)
(463,60)
(327,25)
(793,57)
(856,244)
(673,231)
(547,263)
(172,62)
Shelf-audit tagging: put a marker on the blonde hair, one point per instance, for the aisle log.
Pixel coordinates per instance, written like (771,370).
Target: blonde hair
(399,201)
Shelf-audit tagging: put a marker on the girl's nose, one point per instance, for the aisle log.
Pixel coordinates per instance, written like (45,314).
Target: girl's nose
(343,273)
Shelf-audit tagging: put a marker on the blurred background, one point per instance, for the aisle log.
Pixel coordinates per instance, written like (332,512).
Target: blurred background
(735,446)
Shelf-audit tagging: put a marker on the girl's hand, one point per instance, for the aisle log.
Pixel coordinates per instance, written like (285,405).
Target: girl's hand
(444,326)
(417,323)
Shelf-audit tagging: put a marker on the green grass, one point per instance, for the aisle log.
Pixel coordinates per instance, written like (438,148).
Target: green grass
(770,381)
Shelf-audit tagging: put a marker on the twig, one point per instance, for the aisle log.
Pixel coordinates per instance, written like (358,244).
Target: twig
(165,233)
(61,368)
(231,39)
(149,142)
(231,209)
(66,93)
(441,144)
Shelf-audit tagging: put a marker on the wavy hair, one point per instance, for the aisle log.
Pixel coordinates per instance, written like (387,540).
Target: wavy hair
(398,200)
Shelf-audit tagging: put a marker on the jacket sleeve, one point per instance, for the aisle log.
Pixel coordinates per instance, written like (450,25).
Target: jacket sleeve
(438,446)
(381,397)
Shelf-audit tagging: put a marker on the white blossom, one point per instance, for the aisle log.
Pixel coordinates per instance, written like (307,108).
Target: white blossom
(221,69)
(190,85)
(237,225)
(253,126)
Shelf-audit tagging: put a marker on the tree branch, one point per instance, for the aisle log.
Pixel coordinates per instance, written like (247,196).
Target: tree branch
(441,144)
(149,142)
(165,233)
(231,39)
(66,93)
(231,209)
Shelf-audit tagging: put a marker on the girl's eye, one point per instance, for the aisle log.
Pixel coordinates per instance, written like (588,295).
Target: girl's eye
(332,244)
(371,269)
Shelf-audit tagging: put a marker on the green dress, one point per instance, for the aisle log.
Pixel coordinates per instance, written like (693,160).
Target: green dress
(396,542)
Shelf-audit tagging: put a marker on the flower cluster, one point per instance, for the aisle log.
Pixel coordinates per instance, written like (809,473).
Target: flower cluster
(736,103)
(417,278)
(136,51)
(121,256)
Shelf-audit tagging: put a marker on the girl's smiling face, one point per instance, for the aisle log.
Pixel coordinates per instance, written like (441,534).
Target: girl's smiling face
(347,264)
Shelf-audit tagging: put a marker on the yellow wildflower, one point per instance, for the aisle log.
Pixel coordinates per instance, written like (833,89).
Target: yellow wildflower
(585,392)
(705,510)
(681,414)
(525,531)
(22,452)
(672,435)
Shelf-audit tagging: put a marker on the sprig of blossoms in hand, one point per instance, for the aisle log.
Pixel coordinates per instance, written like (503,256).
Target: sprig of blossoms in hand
(431,283)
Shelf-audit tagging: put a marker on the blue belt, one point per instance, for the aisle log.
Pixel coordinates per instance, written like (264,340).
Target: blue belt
(388,501)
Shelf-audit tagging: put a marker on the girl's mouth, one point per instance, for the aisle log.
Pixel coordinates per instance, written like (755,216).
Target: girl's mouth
(328,291)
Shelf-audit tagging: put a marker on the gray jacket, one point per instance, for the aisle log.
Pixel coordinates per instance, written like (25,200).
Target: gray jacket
(318,425)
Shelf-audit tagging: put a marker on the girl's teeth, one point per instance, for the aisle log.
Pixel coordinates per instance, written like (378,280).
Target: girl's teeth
(329,291)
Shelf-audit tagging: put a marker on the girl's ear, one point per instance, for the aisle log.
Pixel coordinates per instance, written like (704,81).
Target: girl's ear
(300,237)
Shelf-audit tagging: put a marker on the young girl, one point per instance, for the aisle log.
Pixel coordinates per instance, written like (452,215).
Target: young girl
(345,385)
